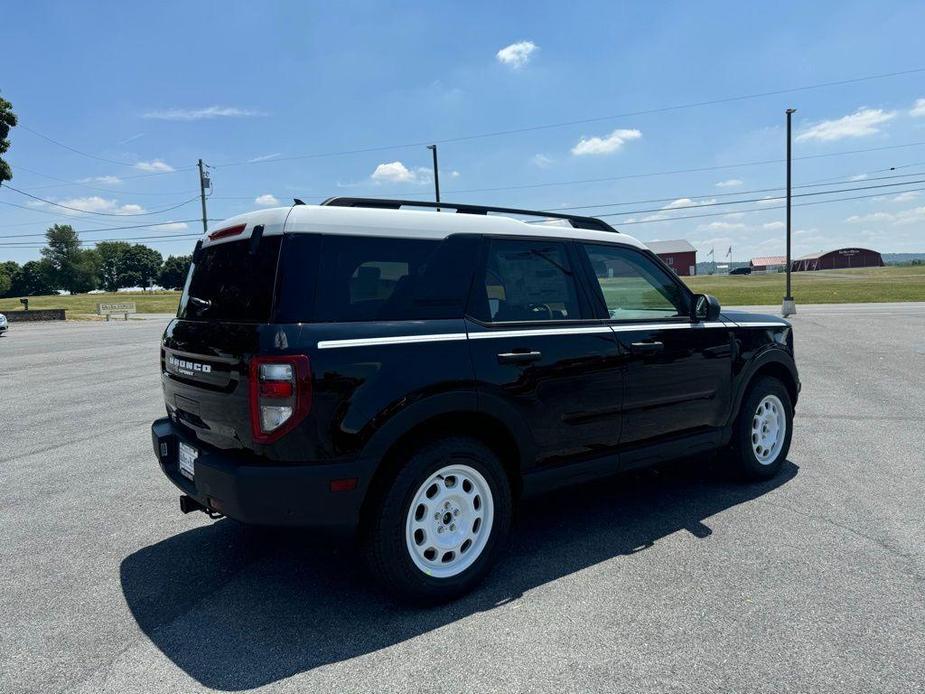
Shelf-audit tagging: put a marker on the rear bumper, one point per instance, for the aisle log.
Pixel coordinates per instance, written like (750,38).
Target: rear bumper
(264,494)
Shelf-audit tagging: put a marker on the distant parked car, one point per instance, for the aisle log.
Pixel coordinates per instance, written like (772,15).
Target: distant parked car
(741,271)
(3,324)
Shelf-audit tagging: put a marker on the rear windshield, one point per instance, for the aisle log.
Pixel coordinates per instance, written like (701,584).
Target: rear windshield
(232,282)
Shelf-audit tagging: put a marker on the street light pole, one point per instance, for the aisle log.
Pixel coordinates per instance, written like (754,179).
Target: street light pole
(789,307)
(433,148)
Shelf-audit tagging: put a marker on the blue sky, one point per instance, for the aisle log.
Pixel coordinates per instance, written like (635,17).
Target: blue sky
(253,88)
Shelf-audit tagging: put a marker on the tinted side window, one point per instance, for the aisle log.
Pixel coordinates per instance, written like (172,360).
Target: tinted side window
(236,281)
(526,281)
(633,286)
(364,278)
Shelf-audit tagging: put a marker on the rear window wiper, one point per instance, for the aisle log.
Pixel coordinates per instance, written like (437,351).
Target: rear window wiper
(201,304)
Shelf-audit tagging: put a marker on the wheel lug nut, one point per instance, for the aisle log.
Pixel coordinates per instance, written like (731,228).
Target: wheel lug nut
(456,512)
(453,527)
(440,529)
(437,516)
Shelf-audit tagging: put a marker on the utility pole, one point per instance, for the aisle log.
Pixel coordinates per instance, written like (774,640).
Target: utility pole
(433,148)
(789,307)
(204,183)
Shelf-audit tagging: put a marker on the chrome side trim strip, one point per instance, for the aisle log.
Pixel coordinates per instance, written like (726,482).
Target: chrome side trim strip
(534,332)
(539,332)
(393,340)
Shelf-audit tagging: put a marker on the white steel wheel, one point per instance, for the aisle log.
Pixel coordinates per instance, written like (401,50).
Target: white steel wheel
(449,521)
(769,429)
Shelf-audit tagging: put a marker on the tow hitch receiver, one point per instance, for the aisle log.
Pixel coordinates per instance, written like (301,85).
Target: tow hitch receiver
(188,504)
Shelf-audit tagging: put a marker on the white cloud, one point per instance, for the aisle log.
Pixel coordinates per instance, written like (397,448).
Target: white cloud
(906,197)
(171,226)
(681,203)
(918,110)
(858,177)
(517,55)
(95,203)
(131,139)
(155,166)
(771,226)
(109,180)
(729,183)
(207,112)
(862,122)
(605,145)
(734,215)
(872,217)
(767,200)
(913,216)
(454,174)
(541,161)
(265,157)
(267,200)
(396,172)
(721,226)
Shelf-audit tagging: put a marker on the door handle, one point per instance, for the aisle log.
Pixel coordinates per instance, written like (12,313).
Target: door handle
(519,357)
(646,347)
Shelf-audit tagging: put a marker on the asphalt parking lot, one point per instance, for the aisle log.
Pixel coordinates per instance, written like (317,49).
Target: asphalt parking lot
(668,580)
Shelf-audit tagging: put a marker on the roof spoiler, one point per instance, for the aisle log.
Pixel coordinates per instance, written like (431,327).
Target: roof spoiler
(577,221)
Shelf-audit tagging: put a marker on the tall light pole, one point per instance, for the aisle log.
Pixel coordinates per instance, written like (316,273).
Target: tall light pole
(789,307)
(433,148)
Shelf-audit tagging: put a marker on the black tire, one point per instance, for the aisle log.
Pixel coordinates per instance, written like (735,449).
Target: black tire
(384,536)
(743,457)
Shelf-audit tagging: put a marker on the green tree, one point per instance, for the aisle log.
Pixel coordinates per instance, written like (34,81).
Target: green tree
(33,279)
(140,266)
(71,268)
(111,256)
(7,121)
(173,274)
(6,281)
(10,269)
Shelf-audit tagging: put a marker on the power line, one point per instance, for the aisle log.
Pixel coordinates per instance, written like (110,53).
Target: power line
(723,214)
(66,182)
(583,121)
(103,214)
(749,200)
(95,230)
(833,182)
(73,149)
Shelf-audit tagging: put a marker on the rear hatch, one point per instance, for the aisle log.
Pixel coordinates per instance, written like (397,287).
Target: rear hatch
(224,318)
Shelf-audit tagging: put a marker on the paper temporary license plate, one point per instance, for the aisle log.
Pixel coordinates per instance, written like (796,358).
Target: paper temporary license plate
(187,460)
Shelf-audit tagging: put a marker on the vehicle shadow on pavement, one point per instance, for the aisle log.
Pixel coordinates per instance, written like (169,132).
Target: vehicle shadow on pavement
(237,607)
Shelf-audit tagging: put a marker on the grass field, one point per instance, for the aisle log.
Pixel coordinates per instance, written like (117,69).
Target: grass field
(84,305)
(863,285)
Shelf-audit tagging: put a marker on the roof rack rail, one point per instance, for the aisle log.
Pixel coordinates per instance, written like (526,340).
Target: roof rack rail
(577,221)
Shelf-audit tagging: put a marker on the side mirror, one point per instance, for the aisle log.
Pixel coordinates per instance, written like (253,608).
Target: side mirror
(706,307)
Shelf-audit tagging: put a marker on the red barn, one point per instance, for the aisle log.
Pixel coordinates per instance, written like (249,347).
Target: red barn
(679,255)
(838,259)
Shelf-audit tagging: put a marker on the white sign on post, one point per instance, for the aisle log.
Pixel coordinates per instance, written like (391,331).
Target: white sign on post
(107,310)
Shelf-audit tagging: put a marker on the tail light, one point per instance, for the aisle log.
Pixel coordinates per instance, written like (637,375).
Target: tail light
(280,395)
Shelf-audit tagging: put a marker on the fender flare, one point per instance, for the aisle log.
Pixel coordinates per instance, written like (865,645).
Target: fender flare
(447,403)
(769,355)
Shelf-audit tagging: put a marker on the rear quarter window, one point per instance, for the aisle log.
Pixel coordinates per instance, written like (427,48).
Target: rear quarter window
(363,278)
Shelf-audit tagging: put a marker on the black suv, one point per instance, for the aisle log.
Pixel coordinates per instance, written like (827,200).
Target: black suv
(410,374)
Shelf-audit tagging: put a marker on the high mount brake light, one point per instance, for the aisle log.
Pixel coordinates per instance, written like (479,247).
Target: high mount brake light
(280,395)
(227,231)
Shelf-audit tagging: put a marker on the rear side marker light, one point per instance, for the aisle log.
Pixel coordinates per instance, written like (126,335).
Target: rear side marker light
(280,395)
(227,231)
(344,485)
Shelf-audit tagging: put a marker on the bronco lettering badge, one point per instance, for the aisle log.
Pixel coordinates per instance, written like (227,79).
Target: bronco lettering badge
(188,368)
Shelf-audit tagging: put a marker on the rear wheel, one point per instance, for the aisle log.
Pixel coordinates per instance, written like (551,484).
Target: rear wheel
(440,525)
(763,431)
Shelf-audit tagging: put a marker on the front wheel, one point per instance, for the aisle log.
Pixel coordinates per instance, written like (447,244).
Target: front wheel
(763,430)
(441,523)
